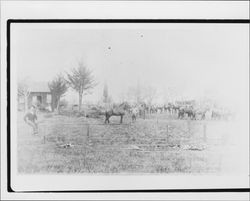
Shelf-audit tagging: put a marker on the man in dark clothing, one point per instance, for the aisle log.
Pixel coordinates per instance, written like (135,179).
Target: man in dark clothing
(30,118)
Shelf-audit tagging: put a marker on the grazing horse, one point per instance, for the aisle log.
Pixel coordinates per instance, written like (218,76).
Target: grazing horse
(116,111)
(153,109)
(190,113)
(175,108)
(200,114)
(181,113)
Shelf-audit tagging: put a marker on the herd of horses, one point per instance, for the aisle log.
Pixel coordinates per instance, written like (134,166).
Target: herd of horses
(141,110)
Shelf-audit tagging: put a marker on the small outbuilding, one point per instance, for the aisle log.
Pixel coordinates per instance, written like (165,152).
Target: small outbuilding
(39,95)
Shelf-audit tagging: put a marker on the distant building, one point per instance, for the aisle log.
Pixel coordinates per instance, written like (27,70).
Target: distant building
(39,95)
(186,103)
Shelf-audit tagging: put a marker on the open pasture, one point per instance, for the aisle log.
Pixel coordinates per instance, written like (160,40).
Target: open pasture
(157,144)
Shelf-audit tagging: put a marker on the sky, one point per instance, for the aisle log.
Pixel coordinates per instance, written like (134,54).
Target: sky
(180,60)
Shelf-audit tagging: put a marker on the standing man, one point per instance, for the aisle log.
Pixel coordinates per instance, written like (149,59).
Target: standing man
(134,113)
(30,118)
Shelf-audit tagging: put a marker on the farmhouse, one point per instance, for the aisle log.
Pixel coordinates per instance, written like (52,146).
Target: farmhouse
(39,95)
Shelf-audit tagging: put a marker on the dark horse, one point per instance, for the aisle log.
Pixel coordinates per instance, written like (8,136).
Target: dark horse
(189,111)
(119,110)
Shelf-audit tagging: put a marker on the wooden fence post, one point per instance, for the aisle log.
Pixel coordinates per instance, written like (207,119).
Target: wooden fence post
(88,131)
(44,134)
(167,135)
(205,132)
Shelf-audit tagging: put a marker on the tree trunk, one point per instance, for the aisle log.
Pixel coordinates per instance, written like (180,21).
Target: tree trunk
(52,102)
(58,105)
(80,102)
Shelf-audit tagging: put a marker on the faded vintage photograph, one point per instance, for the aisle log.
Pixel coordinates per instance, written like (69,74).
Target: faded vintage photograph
(133,98)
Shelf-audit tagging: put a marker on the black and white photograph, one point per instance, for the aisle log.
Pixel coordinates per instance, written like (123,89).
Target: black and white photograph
(128,98)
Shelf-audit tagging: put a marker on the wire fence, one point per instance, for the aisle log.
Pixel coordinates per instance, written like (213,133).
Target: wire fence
(154,134)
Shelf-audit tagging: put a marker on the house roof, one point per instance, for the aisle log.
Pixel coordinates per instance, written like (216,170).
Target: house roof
(39,87)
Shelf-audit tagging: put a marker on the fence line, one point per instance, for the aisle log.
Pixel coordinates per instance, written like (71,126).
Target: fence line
(86,124)
(88,129)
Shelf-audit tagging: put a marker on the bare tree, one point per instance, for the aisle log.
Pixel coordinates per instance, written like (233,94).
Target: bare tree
(24,92)
(81,80)
(58,88)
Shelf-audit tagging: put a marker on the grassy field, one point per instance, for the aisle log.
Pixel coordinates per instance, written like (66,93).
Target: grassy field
(158,144)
